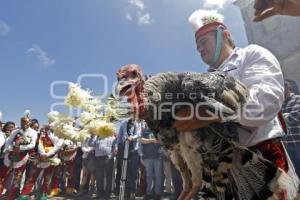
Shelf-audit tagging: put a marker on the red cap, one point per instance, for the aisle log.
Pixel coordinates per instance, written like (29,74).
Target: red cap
(208,28)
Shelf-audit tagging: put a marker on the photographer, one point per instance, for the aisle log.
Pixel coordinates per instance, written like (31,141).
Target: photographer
(129,130)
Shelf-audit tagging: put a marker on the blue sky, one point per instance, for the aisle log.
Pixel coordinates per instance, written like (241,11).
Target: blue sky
(60,40)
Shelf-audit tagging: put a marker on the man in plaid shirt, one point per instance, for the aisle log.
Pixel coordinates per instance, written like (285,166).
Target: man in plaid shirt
(291,113)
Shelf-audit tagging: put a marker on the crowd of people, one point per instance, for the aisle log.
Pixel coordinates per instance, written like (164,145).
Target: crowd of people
(36,162)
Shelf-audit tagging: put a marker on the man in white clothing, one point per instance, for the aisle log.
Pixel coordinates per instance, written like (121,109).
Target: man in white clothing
(260,72)
(17,149)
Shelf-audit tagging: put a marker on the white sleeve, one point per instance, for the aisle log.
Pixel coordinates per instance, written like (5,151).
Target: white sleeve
(2,140)
(263,77)
(85,146)
(31,145)
(9,142)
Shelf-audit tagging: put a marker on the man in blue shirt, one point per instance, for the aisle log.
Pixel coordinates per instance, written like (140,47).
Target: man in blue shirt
(129,130)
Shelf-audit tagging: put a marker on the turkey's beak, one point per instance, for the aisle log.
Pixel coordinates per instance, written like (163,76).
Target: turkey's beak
(124,88)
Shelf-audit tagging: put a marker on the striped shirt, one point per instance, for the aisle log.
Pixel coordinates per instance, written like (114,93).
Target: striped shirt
(291,113)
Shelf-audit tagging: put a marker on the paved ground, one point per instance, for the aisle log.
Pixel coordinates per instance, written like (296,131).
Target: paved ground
(85,197)
(89,198)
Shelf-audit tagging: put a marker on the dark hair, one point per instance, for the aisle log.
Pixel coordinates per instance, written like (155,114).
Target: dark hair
(33,121)
(287,84)
(7,124)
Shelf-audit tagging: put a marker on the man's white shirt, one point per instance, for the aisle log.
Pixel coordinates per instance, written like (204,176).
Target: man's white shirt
(260,72)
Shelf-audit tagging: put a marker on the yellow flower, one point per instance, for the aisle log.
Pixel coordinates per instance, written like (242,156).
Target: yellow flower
(101,128)
(106,130)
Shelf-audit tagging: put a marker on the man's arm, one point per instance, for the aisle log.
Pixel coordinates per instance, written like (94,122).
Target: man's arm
(88,145)
(148,141)
(33,139)
(194,123)
(267,8)
(262,75)
(10,140)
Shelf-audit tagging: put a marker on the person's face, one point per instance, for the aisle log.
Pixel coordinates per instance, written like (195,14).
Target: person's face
(35,126)
(25,123)
(10,128)
(43,131)
(206,47)
(287,91)
(47,128)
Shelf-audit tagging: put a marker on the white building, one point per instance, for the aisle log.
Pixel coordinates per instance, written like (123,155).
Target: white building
(280,35)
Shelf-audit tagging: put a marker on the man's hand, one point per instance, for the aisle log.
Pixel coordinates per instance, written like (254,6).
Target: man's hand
(16,148)
(155,141)
(285,115)
(43,158)
(143,162)
(269,8)
(109,157)
(116,151)
(201,120)
(130,138)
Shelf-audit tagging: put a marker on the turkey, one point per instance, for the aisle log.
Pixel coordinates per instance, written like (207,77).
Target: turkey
(207,158)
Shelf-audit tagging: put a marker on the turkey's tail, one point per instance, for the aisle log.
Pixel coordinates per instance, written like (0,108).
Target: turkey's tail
(258,178)
(247,175)
(234,171)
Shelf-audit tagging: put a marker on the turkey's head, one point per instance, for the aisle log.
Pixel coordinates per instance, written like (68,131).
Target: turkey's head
(130,84)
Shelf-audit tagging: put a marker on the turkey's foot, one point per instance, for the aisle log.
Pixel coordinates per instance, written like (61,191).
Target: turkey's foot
(192,193)
(183,194)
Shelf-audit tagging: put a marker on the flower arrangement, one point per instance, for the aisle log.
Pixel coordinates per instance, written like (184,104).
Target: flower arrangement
(63,127)
(95,119)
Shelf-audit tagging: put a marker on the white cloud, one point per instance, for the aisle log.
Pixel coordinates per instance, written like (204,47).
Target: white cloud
(137,12)
(144,18)
(4,28)
(41,55)
(128,16)
(139,4)
(213,4)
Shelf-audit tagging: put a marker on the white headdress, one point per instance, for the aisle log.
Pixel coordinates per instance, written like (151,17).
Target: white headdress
(204,21)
